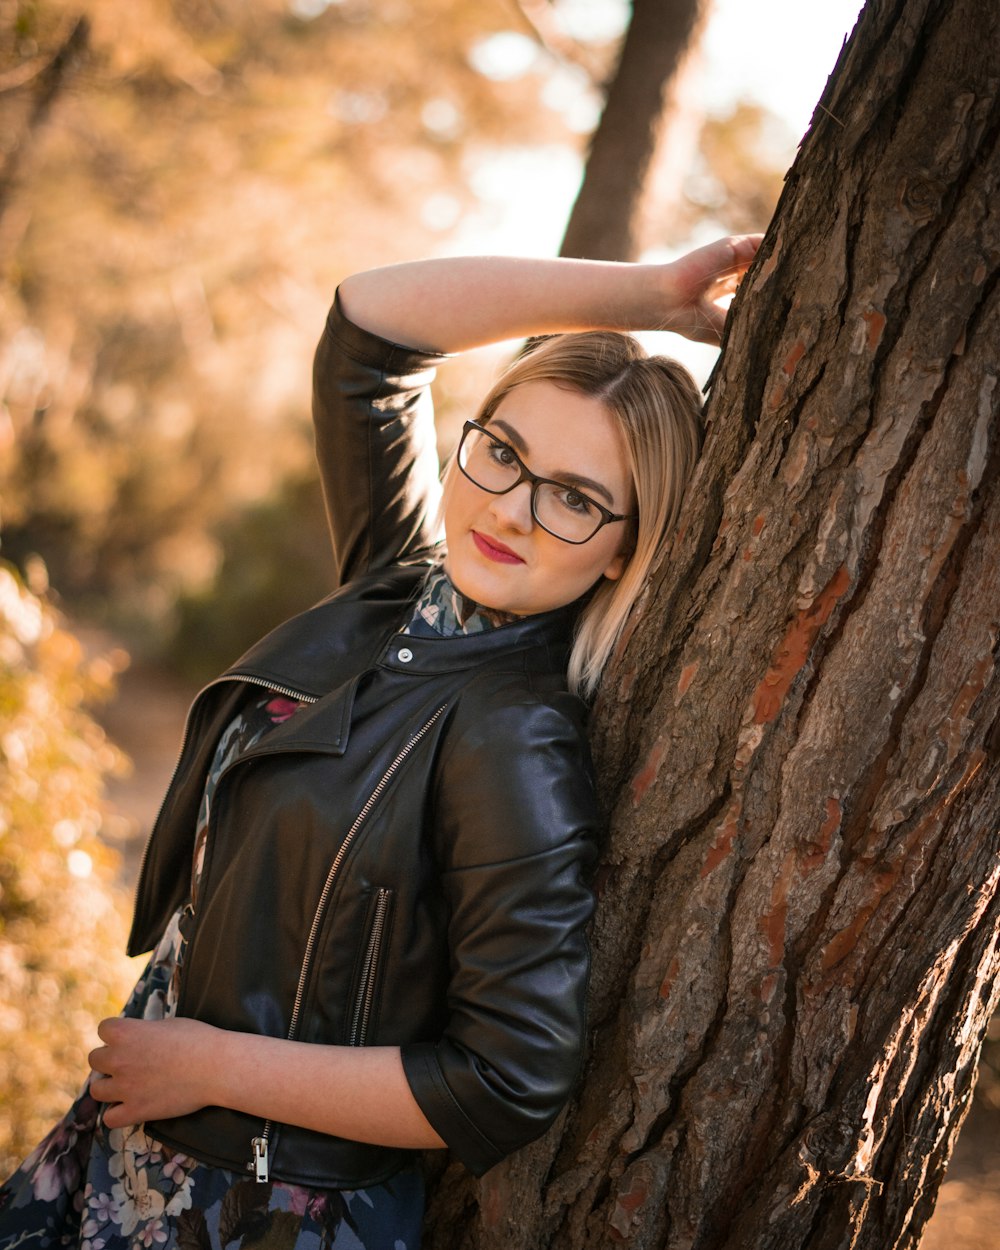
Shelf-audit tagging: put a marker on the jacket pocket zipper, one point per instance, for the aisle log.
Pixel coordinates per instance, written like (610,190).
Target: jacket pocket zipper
(369,969)
(259,1163)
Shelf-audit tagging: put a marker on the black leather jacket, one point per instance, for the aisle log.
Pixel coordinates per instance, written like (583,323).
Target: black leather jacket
(402,862)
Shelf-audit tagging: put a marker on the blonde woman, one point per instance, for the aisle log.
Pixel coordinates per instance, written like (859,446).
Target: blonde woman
(366,892)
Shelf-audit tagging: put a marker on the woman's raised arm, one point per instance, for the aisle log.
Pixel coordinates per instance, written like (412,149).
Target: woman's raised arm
(454,303)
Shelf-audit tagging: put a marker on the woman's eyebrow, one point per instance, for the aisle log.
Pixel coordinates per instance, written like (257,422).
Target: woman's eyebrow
(568,477)
(519,444)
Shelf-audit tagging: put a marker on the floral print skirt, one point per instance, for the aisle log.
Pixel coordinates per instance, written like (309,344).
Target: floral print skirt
(94,1188)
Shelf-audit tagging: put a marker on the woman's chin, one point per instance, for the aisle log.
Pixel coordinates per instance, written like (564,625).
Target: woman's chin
(484,587)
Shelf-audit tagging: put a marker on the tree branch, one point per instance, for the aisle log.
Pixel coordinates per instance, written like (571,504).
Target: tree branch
(51,79)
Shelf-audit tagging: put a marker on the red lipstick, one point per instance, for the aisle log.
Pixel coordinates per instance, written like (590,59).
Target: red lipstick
(494,550)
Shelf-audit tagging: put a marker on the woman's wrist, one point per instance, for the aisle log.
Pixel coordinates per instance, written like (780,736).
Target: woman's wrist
(660,305)
(204,1059)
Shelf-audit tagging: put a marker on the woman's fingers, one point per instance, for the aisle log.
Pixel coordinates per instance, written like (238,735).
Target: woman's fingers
(729,256)
(744,250)
(715,263)
(100,1061)
(112,1032)
(700,281)
(101,1081)
(149,1069)
(115,1028)
(110,1065)
(121,1115)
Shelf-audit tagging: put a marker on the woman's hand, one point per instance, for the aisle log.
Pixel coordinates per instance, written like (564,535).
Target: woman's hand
(151,1069)
(696,282)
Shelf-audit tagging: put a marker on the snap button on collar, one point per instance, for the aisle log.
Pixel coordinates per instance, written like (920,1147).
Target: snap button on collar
(405,655)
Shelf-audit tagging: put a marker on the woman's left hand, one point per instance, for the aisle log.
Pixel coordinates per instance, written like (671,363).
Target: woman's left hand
(698,281)
(151,1069)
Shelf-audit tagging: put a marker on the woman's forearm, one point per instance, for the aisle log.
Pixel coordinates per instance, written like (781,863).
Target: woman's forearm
(454,303)
(357,1092)
(158,1069)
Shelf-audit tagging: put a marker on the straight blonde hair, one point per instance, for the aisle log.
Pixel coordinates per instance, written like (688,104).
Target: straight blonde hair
(657,407)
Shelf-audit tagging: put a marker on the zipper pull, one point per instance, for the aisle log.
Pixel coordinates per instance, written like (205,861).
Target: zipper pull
(258,1164)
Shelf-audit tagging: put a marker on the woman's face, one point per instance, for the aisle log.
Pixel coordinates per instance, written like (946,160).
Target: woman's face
(497,553)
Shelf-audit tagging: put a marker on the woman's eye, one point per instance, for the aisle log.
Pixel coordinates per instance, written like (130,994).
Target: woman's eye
(502,454)
(573,501)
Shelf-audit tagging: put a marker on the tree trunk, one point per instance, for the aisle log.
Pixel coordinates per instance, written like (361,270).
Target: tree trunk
(796,945)
(604,223)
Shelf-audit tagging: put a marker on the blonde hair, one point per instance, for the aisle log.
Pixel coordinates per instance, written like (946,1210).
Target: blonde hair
(657,407)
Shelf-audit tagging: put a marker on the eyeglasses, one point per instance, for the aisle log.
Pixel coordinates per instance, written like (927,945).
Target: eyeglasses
(562,511)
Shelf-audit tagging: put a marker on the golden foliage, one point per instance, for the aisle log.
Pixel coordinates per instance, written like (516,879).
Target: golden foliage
(172,239)
(62,926)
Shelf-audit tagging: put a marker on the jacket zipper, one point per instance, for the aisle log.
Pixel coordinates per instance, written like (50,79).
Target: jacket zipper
(251,681)
(259,1163)
(369,970)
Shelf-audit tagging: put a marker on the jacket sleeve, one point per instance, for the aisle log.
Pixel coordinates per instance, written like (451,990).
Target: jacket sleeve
(516,825)
(375,443)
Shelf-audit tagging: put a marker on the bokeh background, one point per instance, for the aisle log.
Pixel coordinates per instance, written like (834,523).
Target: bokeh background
(182,185)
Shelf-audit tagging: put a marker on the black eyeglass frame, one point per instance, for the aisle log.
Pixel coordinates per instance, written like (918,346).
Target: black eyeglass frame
(526,475)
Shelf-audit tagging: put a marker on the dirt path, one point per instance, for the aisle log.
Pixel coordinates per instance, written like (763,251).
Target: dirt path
(967,1215)
(147,720)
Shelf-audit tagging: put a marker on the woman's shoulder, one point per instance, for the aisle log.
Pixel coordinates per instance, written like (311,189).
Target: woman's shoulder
(516,691)
(525,723)
(515,778)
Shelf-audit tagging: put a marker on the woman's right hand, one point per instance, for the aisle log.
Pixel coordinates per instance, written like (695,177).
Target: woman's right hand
(152,1069)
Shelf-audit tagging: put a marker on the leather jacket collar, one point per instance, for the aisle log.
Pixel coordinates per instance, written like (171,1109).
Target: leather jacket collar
(317,651)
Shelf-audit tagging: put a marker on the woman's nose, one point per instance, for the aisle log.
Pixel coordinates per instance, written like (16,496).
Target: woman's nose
(513,509)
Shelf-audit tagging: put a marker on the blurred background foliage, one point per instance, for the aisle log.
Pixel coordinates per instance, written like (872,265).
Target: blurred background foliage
(182,184)
(62,926)
(175,223)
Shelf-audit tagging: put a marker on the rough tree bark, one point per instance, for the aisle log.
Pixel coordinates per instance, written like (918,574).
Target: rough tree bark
(605,220)
(796,946)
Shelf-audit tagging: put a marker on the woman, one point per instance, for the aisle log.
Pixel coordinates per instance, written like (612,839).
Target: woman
(365,891)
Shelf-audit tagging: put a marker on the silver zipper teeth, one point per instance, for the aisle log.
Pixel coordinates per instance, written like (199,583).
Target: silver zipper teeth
(363,1005)
(270,685)
(259,1159)
(253,681)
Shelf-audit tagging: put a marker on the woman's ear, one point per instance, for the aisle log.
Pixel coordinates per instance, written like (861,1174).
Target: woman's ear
(626,551)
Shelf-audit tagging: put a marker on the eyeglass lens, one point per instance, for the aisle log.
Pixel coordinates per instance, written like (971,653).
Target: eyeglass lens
(560,509)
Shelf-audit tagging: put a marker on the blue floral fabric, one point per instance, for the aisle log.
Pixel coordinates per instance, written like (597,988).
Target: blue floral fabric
(443,610)
(94,1188)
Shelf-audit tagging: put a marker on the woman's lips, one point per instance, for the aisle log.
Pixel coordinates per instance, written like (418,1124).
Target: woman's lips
(494,550)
